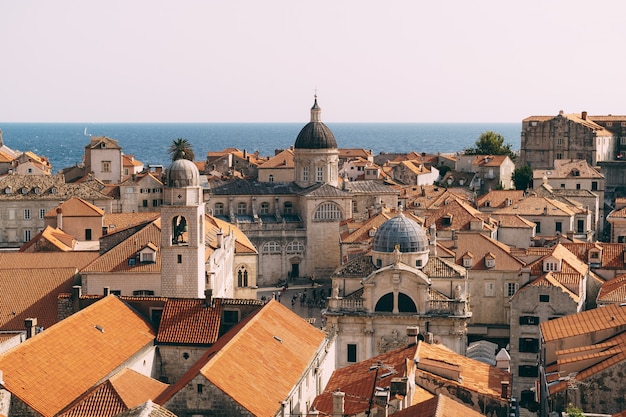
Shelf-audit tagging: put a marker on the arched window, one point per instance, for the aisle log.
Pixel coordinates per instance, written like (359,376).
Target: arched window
(265,208)
(295,246)
(327,211)
(242,208)
(271,247)
(179,230)
(218,209)
(385,303)
(405,304)
(242,277)
(288,207)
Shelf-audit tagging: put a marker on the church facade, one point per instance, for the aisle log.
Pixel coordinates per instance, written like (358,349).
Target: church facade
(295,225)
(399,293)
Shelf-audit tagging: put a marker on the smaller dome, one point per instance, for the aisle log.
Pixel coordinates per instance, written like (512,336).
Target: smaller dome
(183,173)
(406,233)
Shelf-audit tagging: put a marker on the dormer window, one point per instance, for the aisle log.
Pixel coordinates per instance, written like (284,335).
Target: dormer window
(488,203)
(37,190)
(490,260)
(446,220)
(54,190)
(468,260)
(551,264)
(8,190)
(24,190)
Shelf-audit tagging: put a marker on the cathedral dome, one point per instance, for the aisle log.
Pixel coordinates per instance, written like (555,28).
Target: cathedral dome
(183,173)
(406,233)
(315,134)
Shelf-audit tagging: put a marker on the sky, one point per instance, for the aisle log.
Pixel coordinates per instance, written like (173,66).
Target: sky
(263,61)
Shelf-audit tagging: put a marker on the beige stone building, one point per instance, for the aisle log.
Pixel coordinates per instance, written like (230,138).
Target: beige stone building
(567,136)
(25,200)
(103,158)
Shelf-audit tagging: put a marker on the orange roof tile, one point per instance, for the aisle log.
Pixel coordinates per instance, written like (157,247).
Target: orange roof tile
(76,354)
(190,321)
(356,380)
(610,317)
(283,160)
(439,406)
(33,292)
(76,207)
(613,291)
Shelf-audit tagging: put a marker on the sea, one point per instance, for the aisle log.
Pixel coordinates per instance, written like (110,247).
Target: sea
(64,143)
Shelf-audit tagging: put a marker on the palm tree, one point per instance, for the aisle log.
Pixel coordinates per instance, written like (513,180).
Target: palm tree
(181,149)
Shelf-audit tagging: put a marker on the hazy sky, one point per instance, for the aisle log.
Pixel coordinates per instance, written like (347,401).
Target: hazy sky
(263,60)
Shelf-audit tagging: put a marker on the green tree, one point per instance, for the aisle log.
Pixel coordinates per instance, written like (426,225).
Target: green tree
(574,411)
(522,177)
(490,143)
(181,149)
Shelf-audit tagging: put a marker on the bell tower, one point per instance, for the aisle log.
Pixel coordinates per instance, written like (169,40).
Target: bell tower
(182,233)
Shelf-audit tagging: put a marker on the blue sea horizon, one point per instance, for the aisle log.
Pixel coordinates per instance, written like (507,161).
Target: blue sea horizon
(63,143)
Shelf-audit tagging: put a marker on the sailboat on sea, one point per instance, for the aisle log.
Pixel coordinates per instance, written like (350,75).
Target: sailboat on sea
(85,133)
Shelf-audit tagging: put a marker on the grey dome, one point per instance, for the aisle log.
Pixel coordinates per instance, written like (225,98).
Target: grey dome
(400,231)
(183,173)
(315,134)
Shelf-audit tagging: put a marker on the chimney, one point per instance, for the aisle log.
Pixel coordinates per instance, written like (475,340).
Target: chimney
(338,403)
(584,115)
(107,291)
(30,324)
(59,217)
(220,238)
(76,294)
(208,297)
(412,332)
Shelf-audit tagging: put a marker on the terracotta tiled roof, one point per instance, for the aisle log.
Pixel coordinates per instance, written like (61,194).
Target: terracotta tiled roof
(480,245)
(32,292)
(77,353)
(345,153)
(498,198)
(568,168)
(612,253)
(609,317)
(534,205)
(18,260)
(103,141)
(76,207)
(283,339)
(190,321)
(460,214)
(283,160)
(116,259)
(550,280)
(147,409)
(130,161)
(119,221)
(55,237)
(587,361)
(489,160)
(613,291)
(514,221)
(439,406)
(356,380)
(213,225)
(476,376)
(45,187)
(126,389)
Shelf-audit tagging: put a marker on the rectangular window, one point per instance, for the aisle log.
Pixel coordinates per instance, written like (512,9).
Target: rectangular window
(305,173)
(180,259)
(144,203)
(559,155)
(511,288)
(538,227)
(490,288)
(581,226)
(87,234)
(528,371)
(558,226)
(594,185)
(155,203)
(529,320)
(11,214)
(528,344)
(200,388)
(562,185)
(106,166)
(622,140)
(320,174)
(351,352)
(26,214)
(544,298)
(26,235)
(578,186)
(559,142)
(42,213)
